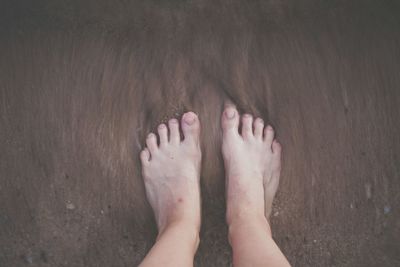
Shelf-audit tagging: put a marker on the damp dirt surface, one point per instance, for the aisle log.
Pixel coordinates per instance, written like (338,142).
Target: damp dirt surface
(83,82)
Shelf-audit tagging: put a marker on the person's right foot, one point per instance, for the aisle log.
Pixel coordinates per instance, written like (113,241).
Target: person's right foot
(171,172)
(252,165)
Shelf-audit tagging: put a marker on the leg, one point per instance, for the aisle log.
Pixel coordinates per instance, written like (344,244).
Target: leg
(171,173)
(252,166)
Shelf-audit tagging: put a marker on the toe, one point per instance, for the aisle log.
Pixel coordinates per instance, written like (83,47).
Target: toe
(271,185)
(247,126)
(174,136)
(191,126)
(163,133)
(268,135)
(230,119)
(145,156)
(276,156)
(258,128)
(151,142)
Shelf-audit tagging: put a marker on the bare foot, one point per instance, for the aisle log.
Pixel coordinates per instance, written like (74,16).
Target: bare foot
(171,172)
(252,165)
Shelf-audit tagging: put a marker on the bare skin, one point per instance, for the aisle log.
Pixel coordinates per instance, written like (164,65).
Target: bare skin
(252,161)
(171,174)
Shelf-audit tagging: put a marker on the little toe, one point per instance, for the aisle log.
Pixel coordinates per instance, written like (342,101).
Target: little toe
(258,128)
(145,156)
(151,142)
(276,156)
(268,135)
(230,119)
(191,126)
(174,136)
(247,126)
(271,185)
(163,133)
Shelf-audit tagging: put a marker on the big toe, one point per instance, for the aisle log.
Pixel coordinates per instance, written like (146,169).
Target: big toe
(230,119)
(191,126)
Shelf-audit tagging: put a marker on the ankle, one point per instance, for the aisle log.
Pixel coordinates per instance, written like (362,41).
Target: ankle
(244,208)
(235,214)
(185,232)
(181,214)
(241,216)
(249,220)
(187,229)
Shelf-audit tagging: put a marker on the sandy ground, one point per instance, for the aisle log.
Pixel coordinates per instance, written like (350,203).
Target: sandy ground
(83,82)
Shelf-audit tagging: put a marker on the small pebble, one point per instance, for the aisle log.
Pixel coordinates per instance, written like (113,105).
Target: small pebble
(70,206)
(351,206)
(276,214)
(102,211)
(386,209)
(28,259)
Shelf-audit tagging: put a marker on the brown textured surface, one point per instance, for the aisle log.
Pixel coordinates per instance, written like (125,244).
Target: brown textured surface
(82,82)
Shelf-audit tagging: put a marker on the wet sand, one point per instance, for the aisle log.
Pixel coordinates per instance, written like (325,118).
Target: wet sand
(81,84)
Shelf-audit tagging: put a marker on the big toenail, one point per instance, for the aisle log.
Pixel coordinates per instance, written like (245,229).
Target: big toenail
(189,120)
(230,113)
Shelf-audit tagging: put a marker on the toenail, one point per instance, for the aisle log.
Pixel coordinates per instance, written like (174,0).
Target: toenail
(161,126)
(269,128)
(247,116)
(150,135)
(189,119)
(230,113)
(260,120)
(173,121)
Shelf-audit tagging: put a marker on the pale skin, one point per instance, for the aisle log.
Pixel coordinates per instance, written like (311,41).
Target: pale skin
(171,172)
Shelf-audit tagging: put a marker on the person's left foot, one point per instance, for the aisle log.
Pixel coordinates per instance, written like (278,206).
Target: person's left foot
(252,160)
(171,172)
